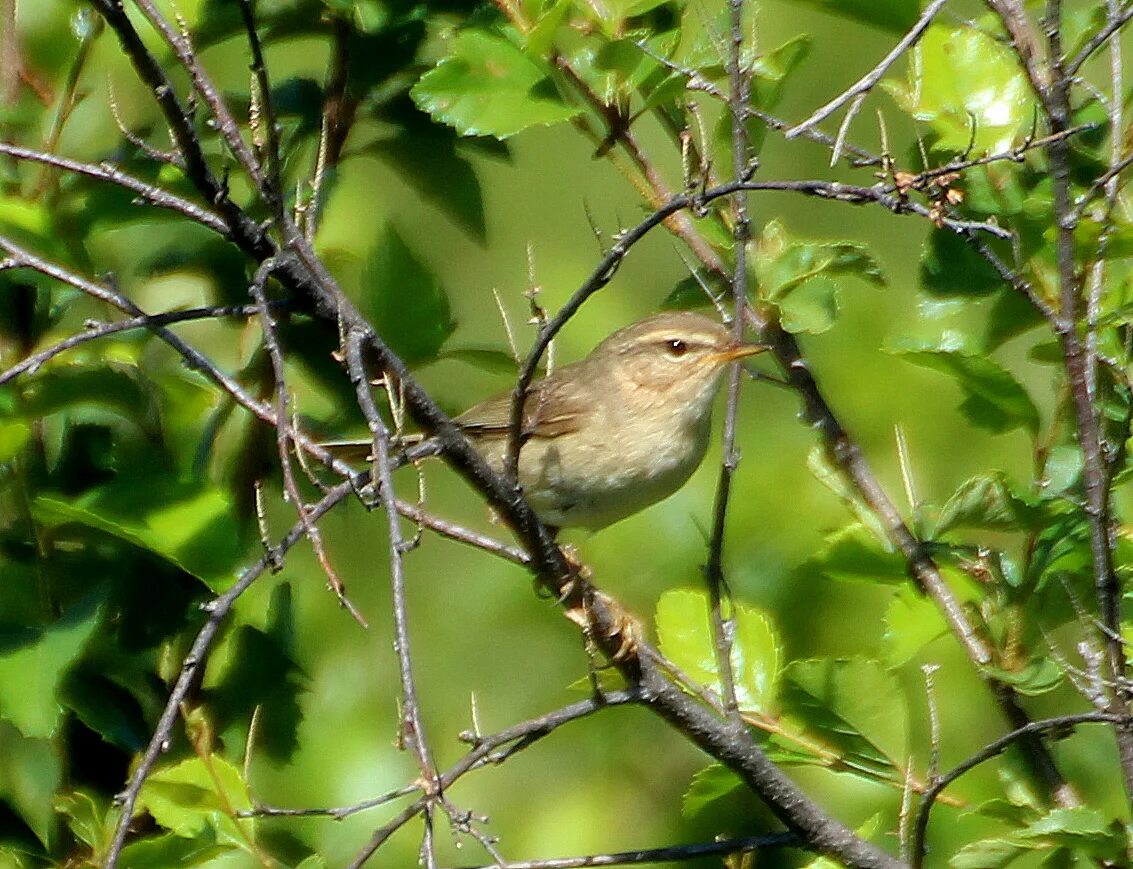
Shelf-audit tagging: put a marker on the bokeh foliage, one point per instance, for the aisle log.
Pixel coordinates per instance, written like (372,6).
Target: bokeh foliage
(482,144)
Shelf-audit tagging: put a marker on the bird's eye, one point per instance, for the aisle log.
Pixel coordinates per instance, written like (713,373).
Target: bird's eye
(676,347)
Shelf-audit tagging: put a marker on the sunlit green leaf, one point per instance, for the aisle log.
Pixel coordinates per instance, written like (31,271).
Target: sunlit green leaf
(708,785)
(1037,676)
(799,276)
(486,86)
(912,621)
(968,88)
(196,794)
(86,814)
(987,501)
(31,671)
(685,635)
(854,707)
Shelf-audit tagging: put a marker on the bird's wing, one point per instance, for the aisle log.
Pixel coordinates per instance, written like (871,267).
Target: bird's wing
(548,412)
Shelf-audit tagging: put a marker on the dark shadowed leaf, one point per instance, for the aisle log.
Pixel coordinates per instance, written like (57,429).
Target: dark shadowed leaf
(405,300)
(894,15)
(856,554)
(950,267)
(993,398)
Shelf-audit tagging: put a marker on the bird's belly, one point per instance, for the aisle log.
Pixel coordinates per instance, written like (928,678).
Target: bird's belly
(600,486)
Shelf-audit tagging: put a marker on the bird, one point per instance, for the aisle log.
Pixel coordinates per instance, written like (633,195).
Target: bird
(621,429)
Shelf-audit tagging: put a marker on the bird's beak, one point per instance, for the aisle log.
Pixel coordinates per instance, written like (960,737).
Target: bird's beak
(739,351)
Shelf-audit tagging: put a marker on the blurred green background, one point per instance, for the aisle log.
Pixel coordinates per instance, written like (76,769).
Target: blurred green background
(482,640)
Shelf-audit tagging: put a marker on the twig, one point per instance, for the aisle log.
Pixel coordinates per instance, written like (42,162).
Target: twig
(107,172)
(867,82)
(217,610)
(95,330)
(671,853)
(412,732)
(1116,20)
(723,625)
(284,436)
(1031,729)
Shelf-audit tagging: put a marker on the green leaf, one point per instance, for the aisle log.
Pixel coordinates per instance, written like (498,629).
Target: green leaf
(798,276)
(31,672)
(986,854)
(485,358)
(685,635)
(406,301)
(893,15)
(987,501)
(13,436)
(186,524)
(951,267)
(708,785)
(912,621)
(968,87)
(194,796)
(866,830)
(86,814)
(993,398)
(1037,676)
(29,776)
(855,707)
(161,852)
(772,70)
(1012,314)
(692,292)
(426,156)
(486,86)
(819,464)
(853,553)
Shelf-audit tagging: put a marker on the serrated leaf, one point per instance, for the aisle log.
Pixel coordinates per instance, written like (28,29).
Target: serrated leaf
(987,501)
(486,86)
(783,263)
(853,553)
(708,785)
(1036,676)
(86,815)
(685,636)
(799,276)
(195,795)
(993,398)
(986,854)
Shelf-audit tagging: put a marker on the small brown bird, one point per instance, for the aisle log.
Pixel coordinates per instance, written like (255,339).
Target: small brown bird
(620,430)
